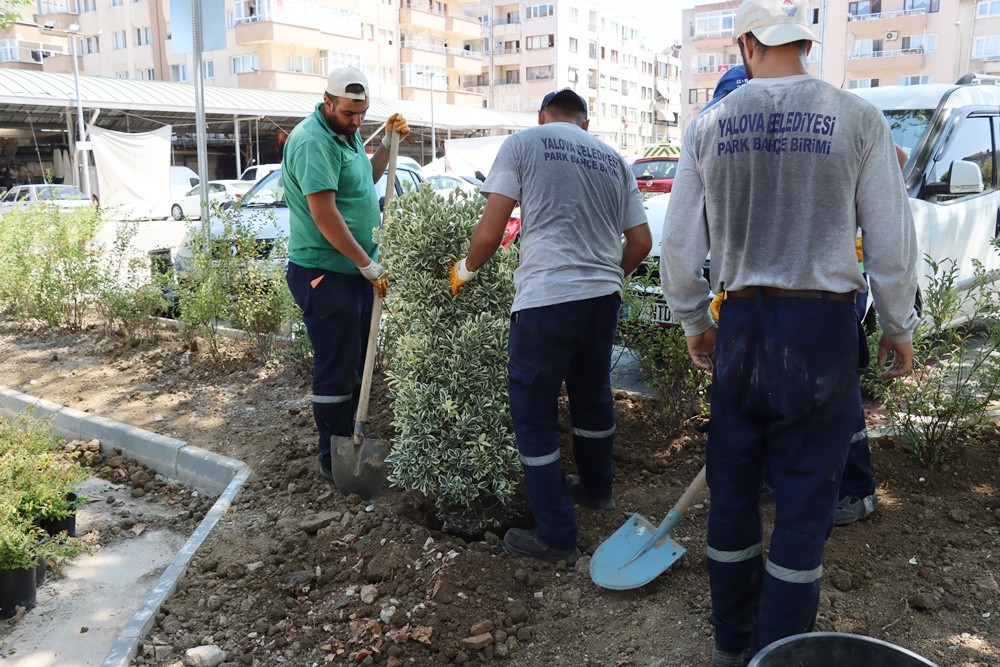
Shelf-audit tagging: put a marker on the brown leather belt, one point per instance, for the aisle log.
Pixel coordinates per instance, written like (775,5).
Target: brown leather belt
(777,292)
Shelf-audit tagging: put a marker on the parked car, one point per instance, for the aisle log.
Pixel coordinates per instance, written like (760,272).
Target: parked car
(64,198)
(189,206)
(264,210)
(254,173)
(445,184)
(949,134)
(655,174)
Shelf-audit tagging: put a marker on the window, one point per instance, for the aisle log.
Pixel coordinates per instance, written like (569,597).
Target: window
(864,8)
(592,50)
(540,42)
(986,47)
(862,83)
(614,83)
(121,75)
(178,72)
(247,63)
(147,74)
(574,15)
(920,43)
(87,45)
(573,45)
(699,95)
(714,24)
(143,36)
(88,5)
(866,48)
(914,80)
(614,56)
(120,39)
(929,6)
(706,62)
(209,66)
(573,75)
(973,143)
(988,8)
(539,11)
(302,64)
(614,110)
(539,72)
(116,3)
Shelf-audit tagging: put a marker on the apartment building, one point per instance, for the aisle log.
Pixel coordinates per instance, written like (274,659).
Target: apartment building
(531,49)
(440,46)
(864,43)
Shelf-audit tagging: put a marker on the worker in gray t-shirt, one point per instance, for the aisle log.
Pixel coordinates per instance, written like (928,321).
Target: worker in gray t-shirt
(776,179)
(578,197)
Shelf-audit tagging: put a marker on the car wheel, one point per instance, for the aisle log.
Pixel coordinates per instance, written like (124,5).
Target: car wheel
(177,212)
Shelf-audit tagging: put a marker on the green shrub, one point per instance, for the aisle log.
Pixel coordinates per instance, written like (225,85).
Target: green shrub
(447,377)
(956,376)
(662,352)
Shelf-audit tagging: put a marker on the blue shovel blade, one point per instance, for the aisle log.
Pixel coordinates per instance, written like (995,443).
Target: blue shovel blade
(636,553)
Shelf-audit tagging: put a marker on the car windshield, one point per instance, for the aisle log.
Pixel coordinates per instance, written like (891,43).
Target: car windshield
(654,169)
(270,191)
(908,126)
(60,192)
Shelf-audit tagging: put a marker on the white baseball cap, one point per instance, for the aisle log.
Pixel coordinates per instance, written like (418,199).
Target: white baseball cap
(774,22)
(341,78)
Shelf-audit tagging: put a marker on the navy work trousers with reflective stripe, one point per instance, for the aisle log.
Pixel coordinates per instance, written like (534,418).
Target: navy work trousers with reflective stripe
(784,395)
(858,479)
(336,309)
(572,342)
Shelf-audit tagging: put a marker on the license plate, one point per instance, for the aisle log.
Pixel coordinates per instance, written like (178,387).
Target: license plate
(658,312)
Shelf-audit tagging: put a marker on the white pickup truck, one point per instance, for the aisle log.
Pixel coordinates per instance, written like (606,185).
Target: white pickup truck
(951,136)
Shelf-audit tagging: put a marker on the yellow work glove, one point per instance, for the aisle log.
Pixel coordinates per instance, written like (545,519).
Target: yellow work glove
(398,123)
(716,305)
(378,277)
(857,249)
(460,275)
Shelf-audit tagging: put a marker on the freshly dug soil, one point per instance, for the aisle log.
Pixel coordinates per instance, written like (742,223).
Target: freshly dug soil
(297,574)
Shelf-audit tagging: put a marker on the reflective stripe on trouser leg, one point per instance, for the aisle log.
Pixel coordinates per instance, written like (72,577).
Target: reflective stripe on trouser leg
(592,411)
(336,310)
(858,479)
(783,395)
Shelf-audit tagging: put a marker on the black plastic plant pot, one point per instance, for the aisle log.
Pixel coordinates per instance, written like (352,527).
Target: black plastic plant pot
(67,524)
(17,589)
(40,571)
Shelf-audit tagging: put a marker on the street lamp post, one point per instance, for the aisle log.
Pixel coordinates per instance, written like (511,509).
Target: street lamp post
(82,146)
(433,133)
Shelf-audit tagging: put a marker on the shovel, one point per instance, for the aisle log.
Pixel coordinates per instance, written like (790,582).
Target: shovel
(358,461)
(638,552)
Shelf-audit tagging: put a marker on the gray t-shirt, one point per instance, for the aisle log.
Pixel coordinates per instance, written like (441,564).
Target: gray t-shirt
(777,178)
(577,196)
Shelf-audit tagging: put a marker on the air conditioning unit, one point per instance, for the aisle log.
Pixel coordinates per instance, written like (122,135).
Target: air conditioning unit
(892,36)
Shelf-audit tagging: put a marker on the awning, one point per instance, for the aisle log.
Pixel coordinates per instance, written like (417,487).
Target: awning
(662,88)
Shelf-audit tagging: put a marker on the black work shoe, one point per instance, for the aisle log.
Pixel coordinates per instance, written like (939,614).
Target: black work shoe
(580,498)
(851,509)
(524,543)
(326,473)
(722,658)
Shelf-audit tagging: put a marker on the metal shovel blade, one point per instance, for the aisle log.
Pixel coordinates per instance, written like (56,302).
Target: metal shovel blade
(638,551)
(359,468)
(635,554)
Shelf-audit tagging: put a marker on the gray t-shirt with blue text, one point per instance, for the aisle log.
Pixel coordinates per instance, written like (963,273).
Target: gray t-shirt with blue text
(577,197)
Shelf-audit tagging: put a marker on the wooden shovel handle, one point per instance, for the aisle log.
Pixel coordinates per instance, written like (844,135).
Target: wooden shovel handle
(691,494)
(366,378)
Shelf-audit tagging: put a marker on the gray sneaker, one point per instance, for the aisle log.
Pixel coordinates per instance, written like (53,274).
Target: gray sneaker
(851,509)
(722,658)
(581,498)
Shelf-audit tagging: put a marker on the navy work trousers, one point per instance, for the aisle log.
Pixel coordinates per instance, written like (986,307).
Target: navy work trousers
(784,397)
(858,479)
(572,342)
(336,309)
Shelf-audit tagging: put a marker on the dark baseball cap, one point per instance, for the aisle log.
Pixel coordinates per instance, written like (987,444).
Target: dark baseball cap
(730,81)
(565,97)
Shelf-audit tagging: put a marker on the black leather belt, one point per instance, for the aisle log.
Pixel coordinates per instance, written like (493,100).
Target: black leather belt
(777,292)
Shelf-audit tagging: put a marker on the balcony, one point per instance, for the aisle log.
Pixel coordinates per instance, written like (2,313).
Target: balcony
(714,39)
(874,26)
(501,28)
(60,12)
(21,54)
(869,61)
(462,27)
(270,79)
(290,21)
(421,19)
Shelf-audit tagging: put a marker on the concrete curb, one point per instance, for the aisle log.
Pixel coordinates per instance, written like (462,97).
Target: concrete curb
(196,467)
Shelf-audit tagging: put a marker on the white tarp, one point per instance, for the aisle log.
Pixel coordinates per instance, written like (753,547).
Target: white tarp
(467,156)
(133,172)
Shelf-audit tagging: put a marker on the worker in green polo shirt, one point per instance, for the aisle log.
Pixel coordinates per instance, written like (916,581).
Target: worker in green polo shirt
(329,184)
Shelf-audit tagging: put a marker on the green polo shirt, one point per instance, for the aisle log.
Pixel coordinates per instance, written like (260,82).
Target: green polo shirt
(315,159)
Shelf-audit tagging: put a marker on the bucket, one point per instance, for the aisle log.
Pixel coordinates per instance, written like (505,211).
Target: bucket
(835,649)
(17,589)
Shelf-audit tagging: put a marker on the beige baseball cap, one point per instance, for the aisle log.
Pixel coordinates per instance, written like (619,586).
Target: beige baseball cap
(341,78)
(774,22)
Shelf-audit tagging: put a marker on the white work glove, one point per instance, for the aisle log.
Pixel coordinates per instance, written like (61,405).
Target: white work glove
(378,277)
(460,275)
